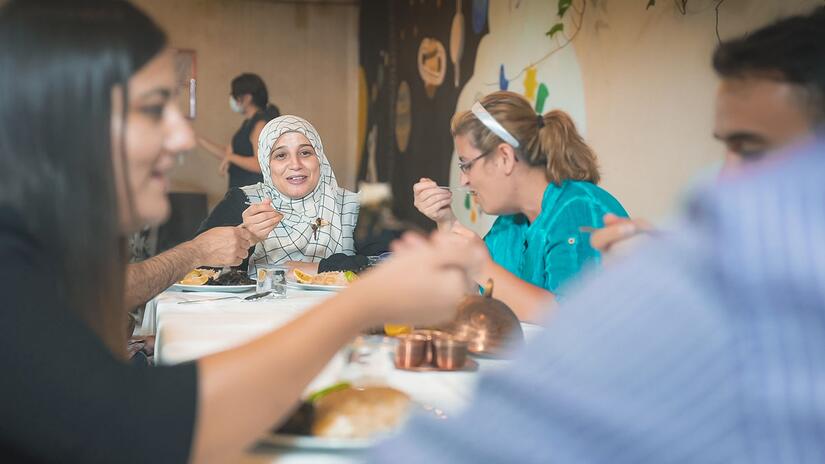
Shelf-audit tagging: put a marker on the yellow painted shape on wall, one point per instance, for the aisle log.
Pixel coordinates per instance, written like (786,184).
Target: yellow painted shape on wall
(530,83)
(362,110)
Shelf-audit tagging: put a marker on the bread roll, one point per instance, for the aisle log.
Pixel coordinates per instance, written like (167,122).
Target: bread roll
(360,413)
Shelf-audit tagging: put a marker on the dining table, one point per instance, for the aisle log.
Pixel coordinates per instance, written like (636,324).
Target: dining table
(186,331)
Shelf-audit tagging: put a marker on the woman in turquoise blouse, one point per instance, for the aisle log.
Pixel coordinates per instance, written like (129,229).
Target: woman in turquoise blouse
(537,173)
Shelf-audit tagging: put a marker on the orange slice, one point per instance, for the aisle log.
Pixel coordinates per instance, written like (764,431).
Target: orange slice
(195,277)
(393,330)
(302,277)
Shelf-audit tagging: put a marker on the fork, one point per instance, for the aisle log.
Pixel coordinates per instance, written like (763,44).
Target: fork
(208,299)
(253,297)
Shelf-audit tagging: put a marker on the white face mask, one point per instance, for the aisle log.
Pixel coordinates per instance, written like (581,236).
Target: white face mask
(234,105)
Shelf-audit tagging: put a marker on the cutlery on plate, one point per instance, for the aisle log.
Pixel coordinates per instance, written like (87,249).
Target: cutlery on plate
(256,296)
(208,299)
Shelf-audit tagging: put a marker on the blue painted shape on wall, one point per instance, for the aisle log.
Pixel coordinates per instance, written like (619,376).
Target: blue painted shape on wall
(502,79)
(479,15)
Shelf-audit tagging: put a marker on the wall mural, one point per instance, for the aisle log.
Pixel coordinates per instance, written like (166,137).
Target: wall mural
(374,130)
(516,55)
(423,60)
(432,64)
(410,51)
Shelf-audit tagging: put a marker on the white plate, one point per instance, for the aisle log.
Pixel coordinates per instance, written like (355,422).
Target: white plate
(320,443)
(317,443)
(327,288)
(214,288)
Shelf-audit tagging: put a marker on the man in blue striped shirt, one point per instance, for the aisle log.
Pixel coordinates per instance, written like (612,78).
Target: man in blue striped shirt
(706,346)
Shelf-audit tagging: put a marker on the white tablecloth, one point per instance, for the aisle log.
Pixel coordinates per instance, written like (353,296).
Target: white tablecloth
(188,331)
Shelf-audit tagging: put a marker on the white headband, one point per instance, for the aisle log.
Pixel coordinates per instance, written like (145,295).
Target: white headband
(490,122)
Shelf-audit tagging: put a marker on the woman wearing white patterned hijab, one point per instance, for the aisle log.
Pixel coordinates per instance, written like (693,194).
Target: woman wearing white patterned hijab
(317,220)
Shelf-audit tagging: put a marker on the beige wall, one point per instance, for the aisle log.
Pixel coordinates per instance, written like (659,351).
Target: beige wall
(306,53)
(649,90)
(648,84)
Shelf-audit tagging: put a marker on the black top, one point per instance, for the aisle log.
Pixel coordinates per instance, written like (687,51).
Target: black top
(63,396)
(238,176)
(229,212)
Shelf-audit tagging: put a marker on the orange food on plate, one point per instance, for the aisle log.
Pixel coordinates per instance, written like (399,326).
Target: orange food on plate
(198,277)
(325,278)
(394,329)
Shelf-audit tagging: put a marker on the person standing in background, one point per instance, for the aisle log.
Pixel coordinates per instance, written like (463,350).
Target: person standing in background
(250,98)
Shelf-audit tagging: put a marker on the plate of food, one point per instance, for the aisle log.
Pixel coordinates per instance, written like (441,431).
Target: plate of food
(215,280)
(345,417)
(329,281)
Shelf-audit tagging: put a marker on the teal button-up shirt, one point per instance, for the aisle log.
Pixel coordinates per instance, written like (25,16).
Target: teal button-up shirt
(552,250)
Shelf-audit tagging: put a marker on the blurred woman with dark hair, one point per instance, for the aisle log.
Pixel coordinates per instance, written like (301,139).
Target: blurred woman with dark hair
(250,98)
(88,133)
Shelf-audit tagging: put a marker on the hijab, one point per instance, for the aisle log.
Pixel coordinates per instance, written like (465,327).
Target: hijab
(313,227)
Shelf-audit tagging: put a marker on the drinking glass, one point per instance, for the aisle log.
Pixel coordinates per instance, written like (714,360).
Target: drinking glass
(272,279)
(369,360)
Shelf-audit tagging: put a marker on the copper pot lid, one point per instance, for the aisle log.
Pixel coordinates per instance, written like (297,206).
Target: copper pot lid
(488,325)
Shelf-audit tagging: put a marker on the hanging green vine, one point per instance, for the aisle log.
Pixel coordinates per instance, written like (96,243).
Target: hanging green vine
(564,5)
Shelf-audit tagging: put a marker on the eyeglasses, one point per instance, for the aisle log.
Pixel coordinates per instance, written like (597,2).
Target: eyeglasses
(467,165)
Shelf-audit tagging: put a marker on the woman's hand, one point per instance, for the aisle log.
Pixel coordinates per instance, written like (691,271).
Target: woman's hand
(214,149)
(260,219)
(204,142)
(475,242)
(422,283)
(434,202)
(227,160)
(223,168)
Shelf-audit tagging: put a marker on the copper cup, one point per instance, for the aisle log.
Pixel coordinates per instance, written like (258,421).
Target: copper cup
(450,352)
(412,350)
(431,335)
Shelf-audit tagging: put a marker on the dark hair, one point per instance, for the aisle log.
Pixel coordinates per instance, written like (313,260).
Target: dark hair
(550,140)
(60,63)
(248,83)
(790,50)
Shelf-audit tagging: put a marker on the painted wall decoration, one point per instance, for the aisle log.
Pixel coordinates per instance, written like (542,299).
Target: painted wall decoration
(430,58)
(374,93)
(371,174)
(479,15)
(423,51)
(432,64)
(187,79)
(403,120)
(506,59)
(363,103)
(457,41)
